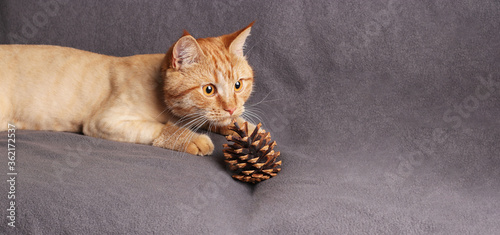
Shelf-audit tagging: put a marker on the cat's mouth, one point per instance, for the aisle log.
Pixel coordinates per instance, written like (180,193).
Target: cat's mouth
(221,119)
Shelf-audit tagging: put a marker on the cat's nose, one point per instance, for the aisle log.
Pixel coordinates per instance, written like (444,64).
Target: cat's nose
(230,110)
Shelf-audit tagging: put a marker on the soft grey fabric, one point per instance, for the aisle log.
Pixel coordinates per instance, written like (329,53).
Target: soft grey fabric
(386,114)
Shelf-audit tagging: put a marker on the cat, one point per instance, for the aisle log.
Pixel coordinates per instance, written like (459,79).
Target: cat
(155,99)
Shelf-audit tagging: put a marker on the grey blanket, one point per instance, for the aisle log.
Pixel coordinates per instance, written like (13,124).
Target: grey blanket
(386,114)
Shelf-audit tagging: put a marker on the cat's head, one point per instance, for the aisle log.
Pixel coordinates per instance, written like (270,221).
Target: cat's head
(208,77)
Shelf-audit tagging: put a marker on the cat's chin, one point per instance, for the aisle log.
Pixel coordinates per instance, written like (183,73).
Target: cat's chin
(222,123)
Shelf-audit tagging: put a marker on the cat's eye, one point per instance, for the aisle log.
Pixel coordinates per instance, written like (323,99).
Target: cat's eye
(238,85)
(209,90)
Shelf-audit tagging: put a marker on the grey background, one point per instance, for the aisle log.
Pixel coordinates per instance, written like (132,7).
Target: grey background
(386,114)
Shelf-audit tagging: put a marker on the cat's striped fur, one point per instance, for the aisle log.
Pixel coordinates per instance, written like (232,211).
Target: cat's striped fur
(157,99)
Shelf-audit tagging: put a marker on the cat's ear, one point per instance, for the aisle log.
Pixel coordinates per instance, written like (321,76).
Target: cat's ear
(186,51)
(236,41)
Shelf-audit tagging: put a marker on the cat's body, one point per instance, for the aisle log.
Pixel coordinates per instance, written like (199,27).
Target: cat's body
(148,99)
(76,89)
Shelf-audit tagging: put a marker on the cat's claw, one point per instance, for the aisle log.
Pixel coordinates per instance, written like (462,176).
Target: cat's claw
(201,145)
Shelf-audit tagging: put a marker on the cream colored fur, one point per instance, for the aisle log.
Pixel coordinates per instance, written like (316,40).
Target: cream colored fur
(128,99)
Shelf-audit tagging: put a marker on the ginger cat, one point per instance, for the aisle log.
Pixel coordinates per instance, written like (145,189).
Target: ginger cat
(153,99)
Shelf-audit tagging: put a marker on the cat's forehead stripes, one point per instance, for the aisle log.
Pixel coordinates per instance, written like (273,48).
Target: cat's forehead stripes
(219,76)
(220,62)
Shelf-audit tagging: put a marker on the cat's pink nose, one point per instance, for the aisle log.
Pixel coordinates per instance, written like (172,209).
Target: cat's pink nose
(230,110)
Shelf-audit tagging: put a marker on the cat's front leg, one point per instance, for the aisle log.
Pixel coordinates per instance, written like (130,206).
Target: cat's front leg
(108,126)
(184,140)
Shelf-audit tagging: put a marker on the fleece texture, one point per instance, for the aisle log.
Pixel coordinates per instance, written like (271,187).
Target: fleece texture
(386,114)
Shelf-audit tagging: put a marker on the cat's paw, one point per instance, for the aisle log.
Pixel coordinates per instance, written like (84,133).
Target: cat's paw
(200,145)
(225,131)
(228,131)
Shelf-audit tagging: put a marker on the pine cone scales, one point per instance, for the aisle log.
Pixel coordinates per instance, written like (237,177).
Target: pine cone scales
(251,157)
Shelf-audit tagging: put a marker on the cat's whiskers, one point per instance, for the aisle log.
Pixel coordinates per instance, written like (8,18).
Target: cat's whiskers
(264,100)
(187,127)
(191,119)
(161,113)
(252,115)
(189,116)
(255,110)
(217,118)
(246,117)
(188,119)
(193,133)
(251,119)
(209,127)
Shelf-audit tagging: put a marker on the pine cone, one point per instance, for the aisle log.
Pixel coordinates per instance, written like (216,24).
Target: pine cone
(251,157)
